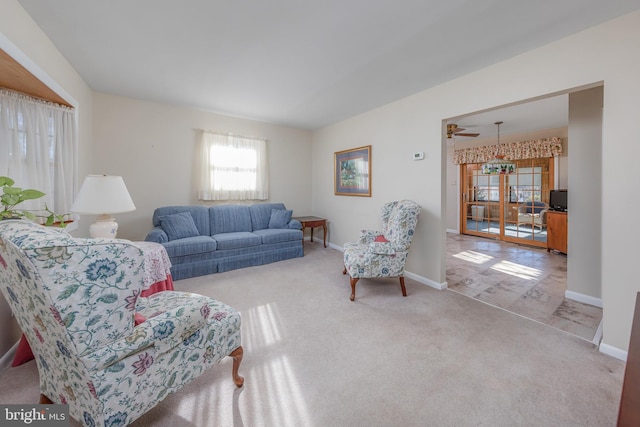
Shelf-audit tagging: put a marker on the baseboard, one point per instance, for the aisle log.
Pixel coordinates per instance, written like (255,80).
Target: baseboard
(450,230)
(585,299)
(425,281)
(597,338)
(613,351)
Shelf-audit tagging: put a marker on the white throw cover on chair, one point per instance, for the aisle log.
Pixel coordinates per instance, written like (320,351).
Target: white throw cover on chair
(383,253)
(76,299)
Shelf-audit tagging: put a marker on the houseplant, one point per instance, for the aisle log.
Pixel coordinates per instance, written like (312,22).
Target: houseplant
(13,196)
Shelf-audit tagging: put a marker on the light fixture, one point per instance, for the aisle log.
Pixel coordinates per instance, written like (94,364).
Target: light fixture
(103,195)
(498,165)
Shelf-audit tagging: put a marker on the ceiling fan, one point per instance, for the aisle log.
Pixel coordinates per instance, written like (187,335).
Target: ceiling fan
(453,129)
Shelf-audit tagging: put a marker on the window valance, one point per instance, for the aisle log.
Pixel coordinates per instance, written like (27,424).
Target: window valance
(545,147)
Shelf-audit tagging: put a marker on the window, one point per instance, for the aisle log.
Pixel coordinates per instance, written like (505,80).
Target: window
(233,168)
(525,185)
(38,148)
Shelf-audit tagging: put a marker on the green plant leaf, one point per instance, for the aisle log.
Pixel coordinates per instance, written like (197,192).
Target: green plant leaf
(7,214)
(10,199)
(31,194)
(14,191)
(6,181)
(29,215)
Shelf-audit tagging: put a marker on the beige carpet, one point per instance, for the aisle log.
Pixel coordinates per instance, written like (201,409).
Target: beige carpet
(434,358)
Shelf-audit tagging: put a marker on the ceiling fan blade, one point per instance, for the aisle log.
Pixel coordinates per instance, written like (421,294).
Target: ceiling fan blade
(467,134)
(453,128)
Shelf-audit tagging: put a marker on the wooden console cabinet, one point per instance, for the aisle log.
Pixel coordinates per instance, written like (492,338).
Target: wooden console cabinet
(557,231)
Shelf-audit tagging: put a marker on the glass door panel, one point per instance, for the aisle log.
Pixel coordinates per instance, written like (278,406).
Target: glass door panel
(481,214)
(527,191)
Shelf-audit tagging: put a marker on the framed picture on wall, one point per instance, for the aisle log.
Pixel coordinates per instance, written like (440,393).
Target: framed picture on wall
(352,172)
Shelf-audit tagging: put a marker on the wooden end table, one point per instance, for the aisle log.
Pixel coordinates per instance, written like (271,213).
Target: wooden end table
(311,222)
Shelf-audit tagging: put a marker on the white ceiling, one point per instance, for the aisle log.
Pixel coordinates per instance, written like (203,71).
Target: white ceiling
(299,63)
(546,113)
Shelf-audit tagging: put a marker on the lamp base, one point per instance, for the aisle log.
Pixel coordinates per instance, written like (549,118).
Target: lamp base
(105,227)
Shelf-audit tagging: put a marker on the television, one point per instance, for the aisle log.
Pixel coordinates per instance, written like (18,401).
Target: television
(558,200)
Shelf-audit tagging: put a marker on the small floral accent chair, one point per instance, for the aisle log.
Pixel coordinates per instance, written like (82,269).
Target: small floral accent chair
(383,253)
(77,299)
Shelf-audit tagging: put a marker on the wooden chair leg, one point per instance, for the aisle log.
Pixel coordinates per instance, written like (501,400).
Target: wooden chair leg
(44,400)
(237,358)
(404,290)
(353,288)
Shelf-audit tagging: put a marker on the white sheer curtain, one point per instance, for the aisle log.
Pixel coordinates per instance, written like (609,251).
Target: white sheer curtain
(233,168)
(38,148)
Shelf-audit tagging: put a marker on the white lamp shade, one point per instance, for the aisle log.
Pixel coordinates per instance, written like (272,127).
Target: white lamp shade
(103,194)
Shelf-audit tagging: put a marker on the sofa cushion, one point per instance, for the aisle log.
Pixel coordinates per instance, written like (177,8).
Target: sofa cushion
(280,218)
(190,246)
(229,219)
(272,235)
(178,225)
(200,216)
(261,214)
(236,240)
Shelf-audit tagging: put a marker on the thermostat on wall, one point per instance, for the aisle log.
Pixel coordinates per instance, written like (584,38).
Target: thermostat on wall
(418,156)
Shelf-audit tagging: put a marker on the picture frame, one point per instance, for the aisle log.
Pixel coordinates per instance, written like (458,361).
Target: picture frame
(352,172)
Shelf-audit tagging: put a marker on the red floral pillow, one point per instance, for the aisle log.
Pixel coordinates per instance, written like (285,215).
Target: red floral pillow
(138,318)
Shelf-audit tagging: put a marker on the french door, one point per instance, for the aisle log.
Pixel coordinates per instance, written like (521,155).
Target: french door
(507,207)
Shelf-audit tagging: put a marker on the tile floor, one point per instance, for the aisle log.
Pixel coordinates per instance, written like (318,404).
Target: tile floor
(524,280)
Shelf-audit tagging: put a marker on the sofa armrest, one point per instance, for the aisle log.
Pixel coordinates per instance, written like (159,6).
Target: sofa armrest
(157,235)
(295,224)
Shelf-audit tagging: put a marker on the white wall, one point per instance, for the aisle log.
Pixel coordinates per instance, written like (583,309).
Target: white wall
(154,147)
(415,124)
(585,193)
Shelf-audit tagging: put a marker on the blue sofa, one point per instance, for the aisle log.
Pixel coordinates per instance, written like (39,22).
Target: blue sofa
(203,240)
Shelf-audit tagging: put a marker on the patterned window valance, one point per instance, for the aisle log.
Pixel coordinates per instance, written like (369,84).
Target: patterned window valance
(546,147)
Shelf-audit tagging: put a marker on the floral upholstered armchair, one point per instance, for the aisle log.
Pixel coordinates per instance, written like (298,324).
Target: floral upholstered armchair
(100,347)
(383,253)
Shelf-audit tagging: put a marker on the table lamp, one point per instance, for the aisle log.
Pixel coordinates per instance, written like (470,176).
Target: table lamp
(103,195)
